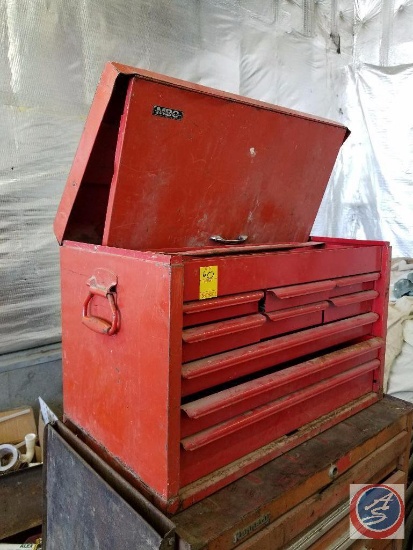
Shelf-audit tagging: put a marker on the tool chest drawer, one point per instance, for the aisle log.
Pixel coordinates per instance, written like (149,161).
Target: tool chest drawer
(227,307)
(265,271)
(221,368)
(225,335)
(350,304)
(215,447)
(202,326)
(204,412)
(295,318)
(237,398)
(298,295)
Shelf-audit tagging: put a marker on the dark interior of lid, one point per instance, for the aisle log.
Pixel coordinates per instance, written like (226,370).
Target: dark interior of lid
(87,217)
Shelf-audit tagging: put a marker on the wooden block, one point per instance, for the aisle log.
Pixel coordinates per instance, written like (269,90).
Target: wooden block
(15,424)
(21,501)
(20,492)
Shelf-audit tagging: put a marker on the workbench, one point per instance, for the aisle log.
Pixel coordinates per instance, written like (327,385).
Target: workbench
(298,500)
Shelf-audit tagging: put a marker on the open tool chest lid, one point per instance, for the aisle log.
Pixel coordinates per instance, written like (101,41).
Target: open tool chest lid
(164,164)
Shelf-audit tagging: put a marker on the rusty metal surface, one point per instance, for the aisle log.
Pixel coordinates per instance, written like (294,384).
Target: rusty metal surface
(88,505)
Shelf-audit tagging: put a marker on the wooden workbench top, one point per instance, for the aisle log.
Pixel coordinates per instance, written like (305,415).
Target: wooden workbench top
(364,448)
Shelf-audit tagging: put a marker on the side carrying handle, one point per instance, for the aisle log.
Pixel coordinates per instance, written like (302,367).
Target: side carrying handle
(103,283)
(239,240)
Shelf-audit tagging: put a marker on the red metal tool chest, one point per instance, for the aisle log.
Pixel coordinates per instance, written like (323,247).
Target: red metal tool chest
(204,332)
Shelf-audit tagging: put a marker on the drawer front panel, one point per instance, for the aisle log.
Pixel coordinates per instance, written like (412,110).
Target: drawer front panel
(296,318)
(320,521)
(284,326)
(356,283)
(297,295)
(282,319)
(249,272)
(215,338)
(207,311)
(208,411)
(211,371)
(342,307)
(213,448)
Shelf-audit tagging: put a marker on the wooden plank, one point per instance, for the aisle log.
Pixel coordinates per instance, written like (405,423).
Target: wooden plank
(405,458)
(290,525)
(21,500)
(376,545)
(15,424)
(364,544)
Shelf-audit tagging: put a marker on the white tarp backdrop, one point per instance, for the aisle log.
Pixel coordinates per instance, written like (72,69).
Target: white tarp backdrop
(349,60)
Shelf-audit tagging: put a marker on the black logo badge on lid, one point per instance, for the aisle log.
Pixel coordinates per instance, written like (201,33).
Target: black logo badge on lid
(166,112)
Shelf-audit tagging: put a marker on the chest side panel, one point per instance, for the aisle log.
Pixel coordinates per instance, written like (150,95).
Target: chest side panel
(123,389)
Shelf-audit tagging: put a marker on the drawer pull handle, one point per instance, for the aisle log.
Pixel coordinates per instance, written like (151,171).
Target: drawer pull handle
(297,311)
(356,298)
(239,240)
(222,328)
(357,279)
(302,290)
(225,301)
(103,284)
(98,324)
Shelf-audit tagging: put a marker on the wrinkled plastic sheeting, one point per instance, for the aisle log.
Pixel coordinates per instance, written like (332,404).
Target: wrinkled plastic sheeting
(370,195)
(309,55)
(401,375)
(400,382)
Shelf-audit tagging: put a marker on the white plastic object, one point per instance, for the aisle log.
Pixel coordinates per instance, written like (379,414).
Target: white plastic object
(30,441)
(14,462)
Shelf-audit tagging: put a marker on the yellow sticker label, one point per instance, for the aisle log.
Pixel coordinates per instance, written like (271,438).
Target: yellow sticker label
(208,282)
